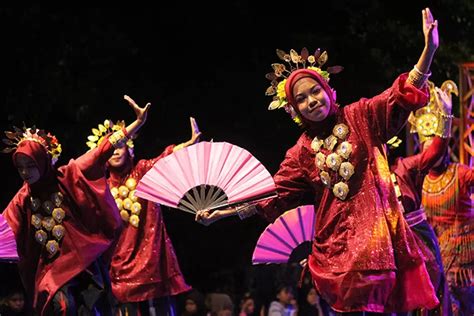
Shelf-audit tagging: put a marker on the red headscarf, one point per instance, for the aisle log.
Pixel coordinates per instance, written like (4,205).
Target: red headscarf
(295,76)
(41,158)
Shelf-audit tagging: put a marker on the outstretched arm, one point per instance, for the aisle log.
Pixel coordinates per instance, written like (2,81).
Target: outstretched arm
(195,135)
(117,139)
(141,114)
(421,71)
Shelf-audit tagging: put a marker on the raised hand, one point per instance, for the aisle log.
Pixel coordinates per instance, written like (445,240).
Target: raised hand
(195,133)
(445,100)
(430,29)
(141,113)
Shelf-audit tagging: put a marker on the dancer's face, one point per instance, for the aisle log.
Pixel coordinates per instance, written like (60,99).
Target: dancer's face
(119,157)
(27,168)
(311,99)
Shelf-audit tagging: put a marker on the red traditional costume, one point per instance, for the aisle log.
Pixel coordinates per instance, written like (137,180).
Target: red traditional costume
(447,201)
(63,223)
(364,257)
(449,207)
(144,265)
(409,174)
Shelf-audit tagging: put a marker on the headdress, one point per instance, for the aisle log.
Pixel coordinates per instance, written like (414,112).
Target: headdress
(102,130)
(429,121)
(49,142)
(281,73)
(394,142)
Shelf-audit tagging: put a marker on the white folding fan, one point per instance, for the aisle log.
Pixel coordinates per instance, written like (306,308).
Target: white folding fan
(8,250)
(206,175)
(280,239)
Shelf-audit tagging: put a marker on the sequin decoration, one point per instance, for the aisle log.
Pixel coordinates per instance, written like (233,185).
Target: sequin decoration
(340,190)
(46,219)
(332,166)
(316,144)
(127,202)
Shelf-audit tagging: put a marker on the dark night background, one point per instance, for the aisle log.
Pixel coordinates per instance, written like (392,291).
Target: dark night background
(66,70)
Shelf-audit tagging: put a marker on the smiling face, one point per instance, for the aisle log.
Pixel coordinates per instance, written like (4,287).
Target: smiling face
(311,99)
(27,168)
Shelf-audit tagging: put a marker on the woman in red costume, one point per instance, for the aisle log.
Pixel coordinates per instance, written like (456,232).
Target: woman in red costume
(144,272)
(364,257)
(408,175)
(448,204)
(64,219)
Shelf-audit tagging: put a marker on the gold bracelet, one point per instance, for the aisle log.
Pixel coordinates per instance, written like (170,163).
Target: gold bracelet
(417,78)
(246,211)
(178,147)
(444,125)
(118,139)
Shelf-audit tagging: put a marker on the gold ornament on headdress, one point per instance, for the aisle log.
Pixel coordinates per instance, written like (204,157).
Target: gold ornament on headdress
(430,120)
(48,141)
(394,142)
(281,72)
(99,133)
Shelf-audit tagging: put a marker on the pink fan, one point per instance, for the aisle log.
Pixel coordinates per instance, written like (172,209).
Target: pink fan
(7,242)
(280,239)
(206,175)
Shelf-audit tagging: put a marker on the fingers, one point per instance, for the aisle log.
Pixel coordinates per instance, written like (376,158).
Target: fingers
(147,106)
(429,15)
(130,100)
(194,126)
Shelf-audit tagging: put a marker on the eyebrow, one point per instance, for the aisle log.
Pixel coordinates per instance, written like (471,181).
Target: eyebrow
(310,88)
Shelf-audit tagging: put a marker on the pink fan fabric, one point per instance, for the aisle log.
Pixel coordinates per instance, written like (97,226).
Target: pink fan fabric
(231,168)
(280,238)
(8,250)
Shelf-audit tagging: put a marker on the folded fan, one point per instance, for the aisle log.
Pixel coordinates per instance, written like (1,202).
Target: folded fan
(278,241)
(206,175)
(8,250)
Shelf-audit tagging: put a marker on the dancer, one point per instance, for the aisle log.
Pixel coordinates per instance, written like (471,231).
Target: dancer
(64,219)
(364,256)
(408,175)
(145,273)
(448,205)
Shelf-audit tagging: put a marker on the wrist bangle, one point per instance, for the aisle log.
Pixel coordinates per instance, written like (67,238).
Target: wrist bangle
(246,211)
(444,126)
(417,78)
(178,147)
(422,73)
(118,139)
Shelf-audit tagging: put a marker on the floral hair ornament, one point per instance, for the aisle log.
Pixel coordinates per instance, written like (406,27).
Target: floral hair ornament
(430,120)
(47,140)
(102,130)
(281,72)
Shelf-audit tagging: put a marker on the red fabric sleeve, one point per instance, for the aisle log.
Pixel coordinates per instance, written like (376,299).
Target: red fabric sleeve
(425,160)
(144,165)
(290,185)
(388,112)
